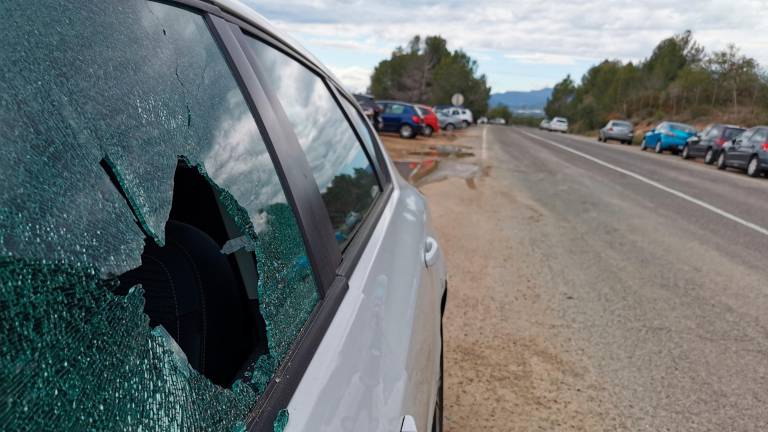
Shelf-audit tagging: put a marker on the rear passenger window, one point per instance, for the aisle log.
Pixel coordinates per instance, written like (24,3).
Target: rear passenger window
(395,109)
(343,172)
(152,273)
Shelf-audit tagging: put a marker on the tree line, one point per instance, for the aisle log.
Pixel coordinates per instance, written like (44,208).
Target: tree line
(679,81)
(426,71)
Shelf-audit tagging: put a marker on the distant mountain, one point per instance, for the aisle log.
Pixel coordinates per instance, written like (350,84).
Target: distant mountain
(517,100)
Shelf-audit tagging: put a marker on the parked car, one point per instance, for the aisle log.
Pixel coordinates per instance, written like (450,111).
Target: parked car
(463,114)
(748,152)
(431,123)
(498,121)
(667,136)
(559,124)
(201,232)
(544,125)
(448,122)
(710,141)
(371,109)
(482,120)
(619,130)
(401,117)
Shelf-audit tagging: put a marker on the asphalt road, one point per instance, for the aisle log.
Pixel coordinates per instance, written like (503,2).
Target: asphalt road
(632,286)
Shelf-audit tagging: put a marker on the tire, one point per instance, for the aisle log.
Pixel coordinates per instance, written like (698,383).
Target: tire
(642,145)
(753,167)
(658,148)
(600,139)
(709,157)
(465,123)
(406,131)
(684,153)
(721,161)
(449,127)
(428,131)
(437,418)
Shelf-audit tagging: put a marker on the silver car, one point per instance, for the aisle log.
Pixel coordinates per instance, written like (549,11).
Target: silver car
(618,130)
(449,122)
(188,244)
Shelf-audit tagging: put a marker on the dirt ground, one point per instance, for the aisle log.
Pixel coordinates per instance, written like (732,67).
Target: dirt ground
(504,368)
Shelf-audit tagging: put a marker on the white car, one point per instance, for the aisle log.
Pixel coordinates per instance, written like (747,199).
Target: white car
(201,232)
(463,114)
(558,124)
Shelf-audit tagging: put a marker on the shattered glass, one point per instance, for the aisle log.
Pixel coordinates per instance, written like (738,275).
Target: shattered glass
(132,89)
(341,168)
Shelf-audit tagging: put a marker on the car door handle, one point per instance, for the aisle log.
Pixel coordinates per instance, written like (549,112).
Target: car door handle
(430,252)
(408,425)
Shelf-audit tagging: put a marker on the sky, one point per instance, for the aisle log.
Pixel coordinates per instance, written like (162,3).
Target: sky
(519,45)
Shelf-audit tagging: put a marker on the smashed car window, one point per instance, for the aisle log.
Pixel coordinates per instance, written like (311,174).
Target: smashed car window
(152,273)
(341,168)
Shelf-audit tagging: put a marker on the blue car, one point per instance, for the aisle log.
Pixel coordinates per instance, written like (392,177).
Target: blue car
(401,117)
(668,136)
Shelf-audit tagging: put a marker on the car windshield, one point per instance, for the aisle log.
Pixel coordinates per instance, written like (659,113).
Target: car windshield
(622,124)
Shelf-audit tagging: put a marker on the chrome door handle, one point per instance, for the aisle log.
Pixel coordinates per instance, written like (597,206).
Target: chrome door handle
(430,252)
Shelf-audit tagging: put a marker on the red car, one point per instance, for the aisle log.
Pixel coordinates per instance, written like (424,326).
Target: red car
(431,125)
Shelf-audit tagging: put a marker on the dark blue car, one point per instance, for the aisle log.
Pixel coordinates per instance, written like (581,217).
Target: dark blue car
(401,117)
(668,136)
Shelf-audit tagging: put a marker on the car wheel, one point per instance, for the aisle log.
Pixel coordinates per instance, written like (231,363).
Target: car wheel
(406,131)
(428,131)
(642,145)
(449,127)
(437,418)
(721,161)
(753,167)
(709,157)
(465,123)
(684,154)
(658,148)
(599,138)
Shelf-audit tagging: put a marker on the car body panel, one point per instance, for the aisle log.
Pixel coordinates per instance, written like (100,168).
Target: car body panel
(558,124)
(713,137)
(672,136)
(378,359)
(393,117)
(752,143)
(618,130)
(430,118)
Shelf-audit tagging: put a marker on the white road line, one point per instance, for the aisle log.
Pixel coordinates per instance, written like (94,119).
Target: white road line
(482,150)
(646,180)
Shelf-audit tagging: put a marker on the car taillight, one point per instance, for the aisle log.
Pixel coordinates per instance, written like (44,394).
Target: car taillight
(416,119)
(720,141)
(610,129)
(765,146)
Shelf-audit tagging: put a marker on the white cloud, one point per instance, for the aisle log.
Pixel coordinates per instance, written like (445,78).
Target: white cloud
(355,79)
(555,32)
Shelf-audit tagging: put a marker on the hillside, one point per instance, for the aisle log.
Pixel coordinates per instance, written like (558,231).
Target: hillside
(521,100)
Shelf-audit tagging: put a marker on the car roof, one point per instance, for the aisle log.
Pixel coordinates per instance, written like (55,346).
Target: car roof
(250,16)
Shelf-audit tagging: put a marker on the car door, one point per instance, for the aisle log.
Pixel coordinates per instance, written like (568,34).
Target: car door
(655,135)
(706,139)
(378,360)
(734,156)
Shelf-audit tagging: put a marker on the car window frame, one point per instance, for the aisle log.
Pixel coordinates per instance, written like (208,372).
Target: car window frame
(331,270)
(283,384)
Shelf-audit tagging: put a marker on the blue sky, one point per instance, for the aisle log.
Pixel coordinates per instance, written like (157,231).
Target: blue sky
(519,45)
